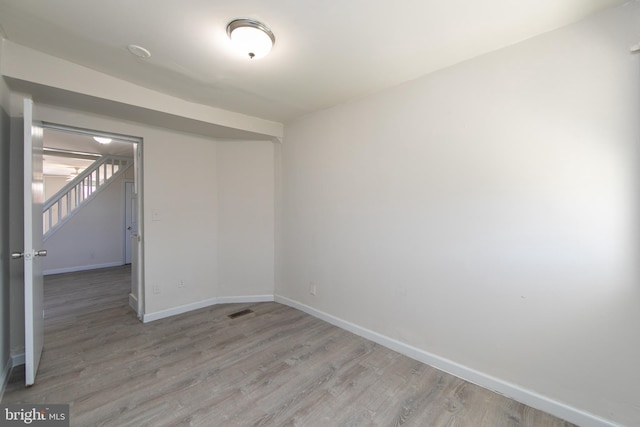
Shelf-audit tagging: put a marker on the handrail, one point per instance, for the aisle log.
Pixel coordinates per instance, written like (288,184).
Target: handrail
(85,173)
(64,203)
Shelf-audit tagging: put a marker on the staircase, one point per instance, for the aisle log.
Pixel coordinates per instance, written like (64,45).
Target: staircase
(66,202)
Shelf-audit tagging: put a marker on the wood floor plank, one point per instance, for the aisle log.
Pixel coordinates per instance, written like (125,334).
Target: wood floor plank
(274,367)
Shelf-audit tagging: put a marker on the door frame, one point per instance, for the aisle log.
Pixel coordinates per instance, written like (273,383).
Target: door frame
(137,143)
(126,238)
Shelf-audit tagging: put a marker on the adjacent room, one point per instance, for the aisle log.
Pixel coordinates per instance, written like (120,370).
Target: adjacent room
(410,213)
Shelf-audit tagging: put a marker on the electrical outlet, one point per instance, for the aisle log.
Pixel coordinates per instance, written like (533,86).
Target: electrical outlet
(312,288)
(156,289)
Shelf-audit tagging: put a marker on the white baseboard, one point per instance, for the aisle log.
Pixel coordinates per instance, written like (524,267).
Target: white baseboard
(81,268)
(133,302)
(245,299)
(4,377)
(150,317)
(528,397)
(157,315)
(17,359)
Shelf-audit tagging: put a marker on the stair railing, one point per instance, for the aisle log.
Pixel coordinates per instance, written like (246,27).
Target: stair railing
(60,207)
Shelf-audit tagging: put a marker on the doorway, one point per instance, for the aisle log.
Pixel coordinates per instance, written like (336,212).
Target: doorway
(92,186)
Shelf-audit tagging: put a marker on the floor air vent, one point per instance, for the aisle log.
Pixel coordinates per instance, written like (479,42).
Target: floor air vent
(239,313)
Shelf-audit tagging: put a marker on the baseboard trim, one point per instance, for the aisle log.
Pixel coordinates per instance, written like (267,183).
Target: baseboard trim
(246,299)
(150,317)
(17,359)
(512,391)
(133,302)
(5,377)
(174,311)
(81,268)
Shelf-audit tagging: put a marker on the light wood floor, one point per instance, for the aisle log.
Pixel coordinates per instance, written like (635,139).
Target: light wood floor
(274,367)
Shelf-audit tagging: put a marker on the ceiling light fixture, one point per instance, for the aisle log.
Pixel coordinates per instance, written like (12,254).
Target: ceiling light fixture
(102,140)
(251,38)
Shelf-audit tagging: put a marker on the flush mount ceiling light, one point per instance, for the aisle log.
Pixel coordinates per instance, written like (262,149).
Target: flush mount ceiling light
(102,140)
(251,38)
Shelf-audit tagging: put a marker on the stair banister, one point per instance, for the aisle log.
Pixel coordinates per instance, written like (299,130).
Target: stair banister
(81,189)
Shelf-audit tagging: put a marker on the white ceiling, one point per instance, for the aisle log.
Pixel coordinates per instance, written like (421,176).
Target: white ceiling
(327,52)
(64,165)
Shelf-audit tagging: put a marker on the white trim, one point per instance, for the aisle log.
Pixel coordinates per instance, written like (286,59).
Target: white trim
(82,268)
(5,377)
(17,359)
(150,317)
(245,299)
(520,394)
(126,238)
(133,302)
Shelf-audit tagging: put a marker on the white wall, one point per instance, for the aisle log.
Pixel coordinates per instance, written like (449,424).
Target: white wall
(53,184)
(180,220)
(245,177)
(94,237)
(486,214)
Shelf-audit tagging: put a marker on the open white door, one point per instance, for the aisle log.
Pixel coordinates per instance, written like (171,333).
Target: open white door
(33,279)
